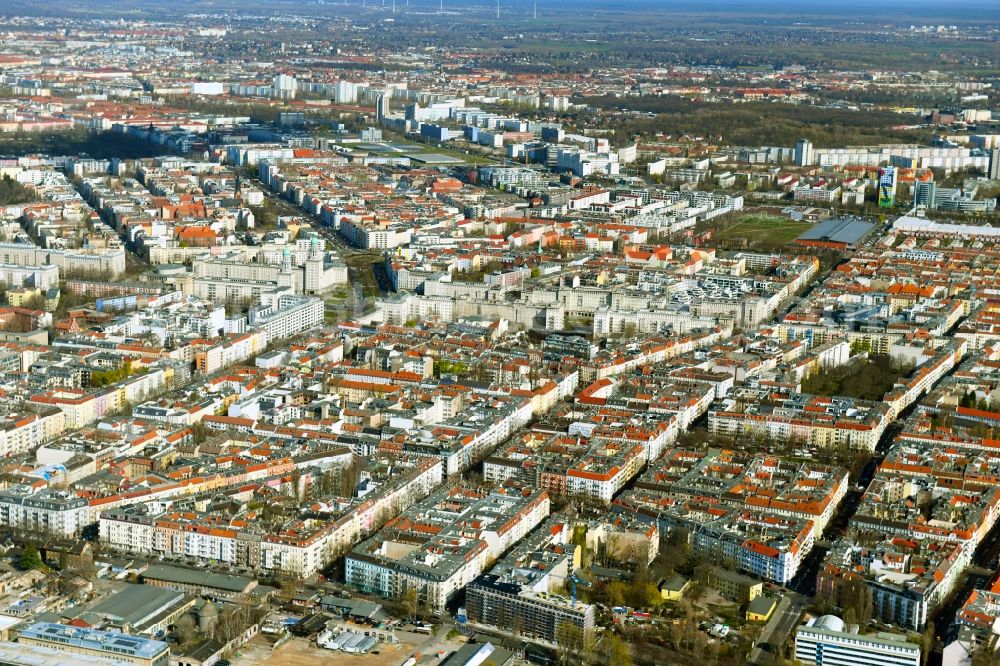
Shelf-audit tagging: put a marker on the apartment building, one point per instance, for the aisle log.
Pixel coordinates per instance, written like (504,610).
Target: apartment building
(83,261)
(924,550)
(35,277)
(522,593)
(210,356)
(22,433)
(57,513)
(442,544)
(251,272)
(301,550)
(759,513)
(813,420)
(287,316)
(826,641)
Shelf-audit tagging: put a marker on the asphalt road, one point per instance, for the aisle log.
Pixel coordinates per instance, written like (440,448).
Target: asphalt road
(777,631)
(981,571)
(288,208)
(357,303)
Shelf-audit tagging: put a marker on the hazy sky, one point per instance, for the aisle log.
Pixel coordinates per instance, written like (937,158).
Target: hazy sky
(783,11)
(783,7)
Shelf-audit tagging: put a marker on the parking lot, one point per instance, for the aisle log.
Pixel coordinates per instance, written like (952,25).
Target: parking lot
(304,652)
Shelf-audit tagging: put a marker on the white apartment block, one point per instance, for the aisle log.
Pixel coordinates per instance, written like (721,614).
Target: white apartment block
(46,513)
(94,260)
(368,237)
(602,486)
(40,277)
(402,308)
(289,316)
(819,194)
(245,273)
(608,321)
(24,433)
(236,349)
(825,641)
(786,428)
(585,163)
(902,155)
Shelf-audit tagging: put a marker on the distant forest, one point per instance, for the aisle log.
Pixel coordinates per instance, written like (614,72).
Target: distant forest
(99,145)
(756,124)
(13,192)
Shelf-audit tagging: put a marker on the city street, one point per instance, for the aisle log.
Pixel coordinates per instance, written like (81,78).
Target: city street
(778,631)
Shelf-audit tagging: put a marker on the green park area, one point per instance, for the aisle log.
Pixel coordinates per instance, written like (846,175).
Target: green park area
(763,232)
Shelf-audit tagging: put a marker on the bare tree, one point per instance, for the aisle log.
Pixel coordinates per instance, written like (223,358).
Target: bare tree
(185,630)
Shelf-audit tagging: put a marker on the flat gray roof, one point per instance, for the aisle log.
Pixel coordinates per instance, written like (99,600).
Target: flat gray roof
(135,604)
(354,606)
(434,158)
(206,579)
(881,638)
(848,230)
(39,655)
(761,605)
(95,640)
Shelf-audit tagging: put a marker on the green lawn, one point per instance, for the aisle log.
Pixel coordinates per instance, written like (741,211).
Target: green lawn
(443,149)
(763,231)
(396,145)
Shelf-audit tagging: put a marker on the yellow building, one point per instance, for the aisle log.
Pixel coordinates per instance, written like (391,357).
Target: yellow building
(16,298)
(761,609)
(737,587)
(674,587)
